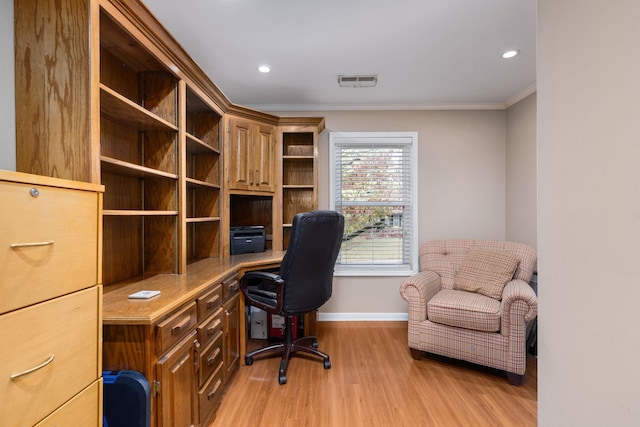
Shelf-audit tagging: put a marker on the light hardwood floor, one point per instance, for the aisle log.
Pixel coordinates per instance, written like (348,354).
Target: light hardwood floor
(374,381)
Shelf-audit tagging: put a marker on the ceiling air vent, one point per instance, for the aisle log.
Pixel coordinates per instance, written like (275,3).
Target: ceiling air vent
(358,81)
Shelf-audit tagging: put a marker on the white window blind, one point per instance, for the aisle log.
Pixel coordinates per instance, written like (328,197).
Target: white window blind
(373,184)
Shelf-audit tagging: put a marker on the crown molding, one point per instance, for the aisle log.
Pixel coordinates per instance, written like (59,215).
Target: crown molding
(381,107)
(520,96)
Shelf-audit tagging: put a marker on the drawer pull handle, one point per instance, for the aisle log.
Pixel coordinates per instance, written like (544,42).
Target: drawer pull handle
(213,392)
(28,245)
(176,329)
(213,357)
(213,302)
(213,328)
(35,368)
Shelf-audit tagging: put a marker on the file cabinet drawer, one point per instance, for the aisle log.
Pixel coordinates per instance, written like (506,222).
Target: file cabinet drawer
(173,329)
(51,354)
(47,243)
(83,410)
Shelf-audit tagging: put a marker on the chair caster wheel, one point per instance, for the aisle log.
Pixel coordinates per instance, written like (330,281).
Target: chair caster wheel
(248,360)
(327,364)
(282,379)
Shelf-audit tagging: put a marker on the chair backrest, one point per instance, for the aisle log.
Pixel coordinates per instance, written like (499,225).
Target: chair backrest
(445,257)
(307,267)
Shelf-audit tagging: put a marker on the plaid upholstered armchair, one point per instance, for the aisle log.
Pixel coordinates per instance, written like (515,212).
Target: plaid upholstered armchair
(472,301)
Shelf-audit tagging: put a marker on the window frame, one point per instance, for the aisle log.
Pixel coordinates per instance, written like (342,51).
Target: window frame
(372,138)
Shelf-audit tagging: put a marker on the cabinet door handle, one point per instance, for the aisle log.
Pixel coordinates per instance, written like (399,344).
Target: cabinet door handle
(251,177)
(30,244)
(176,329)
(257,177)
(35,368)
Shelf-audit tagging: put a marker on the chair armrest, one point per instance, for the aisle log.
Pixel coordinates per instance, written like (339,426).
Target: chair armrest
(417,290)
(253,285)
(519,291)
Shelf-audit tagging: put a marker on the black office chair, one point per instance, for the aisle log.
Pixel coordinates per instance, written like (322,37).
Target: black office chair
(303,285)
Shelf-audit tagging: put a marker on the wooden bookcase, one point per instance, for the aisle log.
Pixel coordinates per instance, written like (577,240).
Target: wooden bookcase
(299,141)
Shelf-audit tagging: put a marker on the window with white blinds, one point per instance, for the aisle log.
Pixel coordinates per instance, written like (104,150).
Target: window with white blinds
(373,177)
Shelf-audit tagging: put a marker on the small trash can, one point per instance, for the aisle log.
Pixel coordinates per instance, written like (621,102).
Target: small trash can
(127,399)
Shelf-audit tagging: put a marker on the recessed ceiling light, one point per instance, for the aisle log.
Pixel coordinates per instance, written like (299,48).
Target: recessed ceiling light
(264,69)
(510,53)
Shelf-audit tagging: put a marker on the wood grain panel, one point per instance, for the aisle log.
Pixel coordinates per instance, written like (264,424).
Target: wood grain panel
(120,142)
(295,201)
(127,347)
(123,191)
(298,171)
(203,240)
(122,258)
(52,89)
(160,151)
(160,95)
(160,194)
(160,240)
(119,76)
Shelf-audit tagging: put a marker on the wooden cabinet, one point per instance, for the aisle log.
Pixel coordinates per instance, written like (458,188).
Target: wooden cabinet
(119,103)
(186,340)
(252,156)
(49,306)
(299,141)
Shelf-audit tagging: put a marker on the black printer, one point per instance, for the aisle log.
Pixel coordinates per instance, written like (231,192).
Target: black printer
(247,239)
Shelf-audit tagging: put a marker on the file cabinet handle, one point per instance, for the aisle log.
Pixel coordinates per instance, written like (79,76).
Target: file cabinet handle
(35,368)
(30,244)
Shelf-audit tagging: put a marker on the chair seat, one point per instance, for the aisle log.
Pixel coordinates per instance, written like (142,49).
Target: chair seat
(463,309)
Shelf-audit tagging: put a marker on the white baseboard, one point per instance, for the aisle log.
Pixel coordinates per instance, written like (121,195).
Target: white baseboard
(375,317)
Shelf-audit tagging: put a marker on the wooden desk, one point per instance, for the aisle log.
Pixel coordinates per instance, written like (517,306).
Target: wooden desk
(188,340)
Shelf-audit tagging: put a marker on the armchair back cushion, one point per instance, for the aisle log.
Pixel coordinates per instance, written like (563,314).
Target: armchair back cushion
(445,257)
(485,272)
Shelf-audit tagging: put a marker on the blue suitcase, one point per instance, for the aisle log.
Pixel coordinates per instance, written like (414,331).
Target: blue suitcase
(127,399)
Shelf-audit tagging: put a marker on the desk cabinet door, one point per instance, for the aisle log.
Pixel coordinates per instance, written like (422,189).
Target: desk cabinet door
(231,350)
(177,401)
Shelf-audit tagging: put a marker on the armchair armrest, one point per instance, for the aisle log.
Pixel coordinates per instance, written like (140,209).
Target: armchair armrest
(417,290)
(518,300)
(263,290)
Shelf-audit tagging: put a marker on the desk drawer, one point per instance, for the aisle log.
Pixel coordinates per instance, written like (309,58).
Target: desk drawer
(210,358)
(210,395)
(51,351)
(173,329)
(47,243)
(209,329)
(83,410)
(209,302)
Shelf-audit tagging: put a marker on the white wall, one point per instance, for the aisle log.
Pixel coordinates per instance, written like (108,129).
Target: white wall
(589,212)
(7,88)
(461,174)
(521,194)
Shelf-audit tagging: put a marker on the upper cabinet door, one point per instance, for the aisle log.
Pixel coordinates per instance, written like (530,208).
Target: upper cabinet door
(265,158)
(240,170)
(252,152)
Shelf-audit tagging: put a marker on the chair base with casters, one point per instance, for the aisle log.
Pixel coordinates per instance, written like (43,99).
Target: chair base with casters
(288,348)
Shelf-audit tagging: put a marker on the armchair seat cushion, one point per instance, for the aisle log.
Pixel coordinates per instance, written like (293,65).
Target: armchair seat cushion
(468,310)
